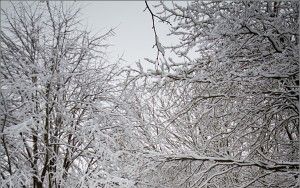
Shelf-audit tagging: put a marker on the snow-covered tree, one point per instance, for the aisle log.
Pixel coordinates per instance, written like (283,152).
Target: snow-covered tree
(223,113)
(228,114)
(59,122)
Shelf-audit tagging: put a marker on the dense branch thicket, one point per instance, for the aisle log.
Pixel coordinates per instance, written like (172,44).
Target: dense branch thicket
(228,114)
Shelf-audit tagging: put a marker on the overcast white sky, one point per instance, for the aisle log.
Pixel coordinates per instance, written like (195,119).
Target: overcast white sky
(134,35)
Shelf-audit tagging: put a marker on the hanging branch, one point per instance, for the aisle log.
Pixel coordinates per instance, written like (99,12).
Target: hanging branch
(157,44)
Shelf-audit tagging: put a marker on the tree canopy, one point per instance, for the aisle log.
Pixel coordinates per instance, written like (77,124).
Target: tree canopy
(223,113)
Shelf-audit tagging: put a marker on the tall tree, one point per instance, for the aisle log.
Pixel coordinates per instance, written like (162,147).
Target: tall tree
(57,99)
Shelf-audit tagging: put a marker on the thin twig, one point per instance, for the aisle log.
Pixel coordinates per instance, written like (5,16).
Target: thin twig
(153,16)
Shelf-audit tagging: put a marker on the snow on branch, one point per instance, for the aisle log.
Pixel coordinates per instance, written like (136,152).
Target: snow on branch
(276,166)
